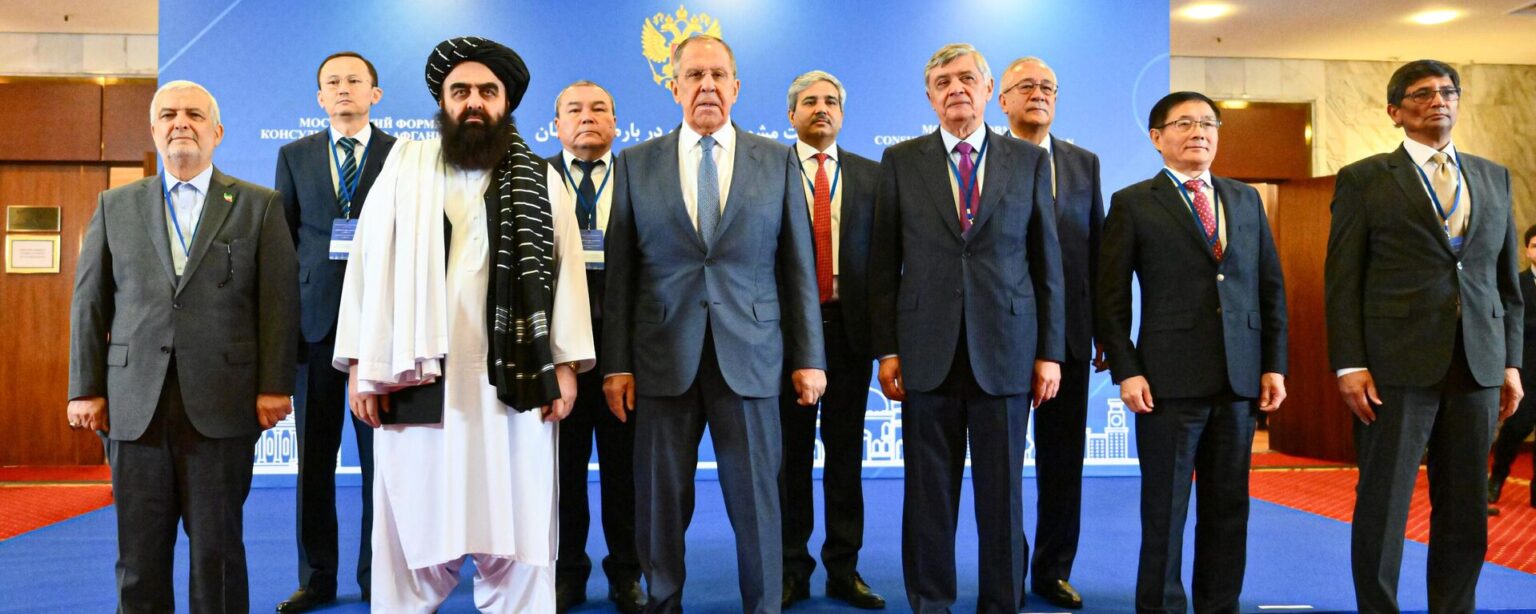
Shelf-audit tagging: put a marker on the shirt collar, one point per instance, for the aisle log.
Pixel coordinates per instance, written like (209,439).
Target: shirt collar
(806,152)
(1045,144)
(200,182)
(976,139)
(570,158)
(725,137)
(1421,153)
(362,136)
(1183,179)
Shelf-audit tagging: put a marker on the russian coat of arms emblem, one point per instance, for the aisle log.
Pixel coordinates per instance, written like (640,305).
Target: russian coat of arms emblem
(662,32)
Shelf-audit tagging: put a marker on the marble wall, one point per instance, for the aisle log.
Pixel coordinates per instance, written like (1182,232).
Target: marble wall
(1497,118)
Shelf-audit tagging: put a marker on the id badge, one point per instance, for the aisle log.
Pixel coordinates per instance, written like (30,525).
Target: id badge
(592,248)
(342,232)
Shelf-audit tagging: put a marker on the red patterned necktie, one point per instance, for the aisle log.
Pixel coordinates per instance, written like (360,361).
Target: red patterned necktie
(821,228)
(1207,217)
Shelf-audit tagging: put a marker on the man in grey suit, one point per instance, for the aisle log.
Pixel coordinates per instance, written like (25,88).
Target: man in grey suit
(324,178)
(711,294)
(1028,97)
(1424,330)
(188,276)
(966,302)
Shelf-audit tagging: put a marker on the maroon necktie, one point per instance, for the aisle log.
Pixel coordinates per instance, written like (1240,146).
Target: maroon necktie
(821,228)
(967,169)
(1207,217)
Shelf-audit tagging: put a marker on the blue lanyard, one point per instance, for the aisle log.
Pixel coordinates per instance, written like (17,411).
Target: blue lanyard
(837,176)
(1445,216)
(1215,235)
(346,191)
(967,191)
(175,222)
(581,203)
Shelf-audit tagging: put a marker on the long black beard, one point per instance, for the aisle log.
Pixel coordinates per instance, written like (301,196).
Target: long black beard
(477,147)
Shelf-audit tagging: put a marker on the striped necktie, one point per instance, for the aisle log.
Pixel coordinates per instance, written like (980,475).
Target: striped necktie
(348,146)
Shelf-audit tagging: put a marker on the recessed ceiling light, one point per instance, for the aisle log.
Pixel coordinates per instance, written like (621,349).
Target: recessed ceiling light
(1430,18)
(1233,104)
(1205,10)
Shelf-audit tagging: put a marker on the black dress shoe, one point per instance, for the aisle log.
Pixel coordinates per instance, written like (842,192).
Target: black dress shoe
(569,595)
(1060,594)
(1495,488)
(796,588)
(306,599)
(852,589)
(628,597)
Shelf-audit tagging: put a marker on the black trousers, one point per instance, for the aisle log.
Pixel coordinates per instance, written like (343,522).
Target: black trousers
(749,450)
(1210,437)
(173,473)
(1454,419)
(320,413)
(1059,444)
(616,472)
(1514,431)
(842,437)
(936,425)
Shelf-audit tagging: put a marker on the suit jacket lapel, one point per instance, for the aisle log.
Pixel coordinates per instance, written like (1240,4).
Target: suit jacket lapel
(152,202)
(1407,176)
(371,166)
(324,159)
(746,162)
(215,211)
(663,165)
(933,168)
(1235,214)
(1472,181)
(1168,195)
(998,163)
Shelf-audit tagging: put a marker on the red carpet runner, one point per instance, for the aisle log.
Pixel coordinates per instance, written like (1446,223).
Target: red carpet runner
(35,497)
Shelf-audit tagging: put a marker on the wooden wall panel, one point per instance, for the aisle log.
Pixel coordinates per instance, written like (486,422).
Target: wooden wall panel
(50,120)
(1266,141)
(1313,422)
(34,332)
(125,120)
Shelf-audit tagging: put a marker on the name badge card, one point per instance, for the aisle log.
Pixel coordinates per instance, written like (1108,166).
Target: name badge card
(342,232)
(592,248)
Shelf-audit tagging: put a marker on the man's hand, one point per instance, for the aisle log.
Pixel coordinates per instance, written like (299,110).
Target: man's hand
(366,407)
(1047,382)
(1510,395)
(1272,391)
(272,408)
(620,391)
(1359,392)
(1100,361)
(890,379)
(558,409)
(810,384)
(1136,394)
(88,413)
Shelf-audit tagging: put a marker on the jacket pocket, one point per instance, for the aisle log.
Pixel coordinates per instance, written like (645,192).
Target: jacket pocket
(1386,309)
(1255,321)
(117,355)
(1023,305)
(650,311)
(240,353)
(765,312)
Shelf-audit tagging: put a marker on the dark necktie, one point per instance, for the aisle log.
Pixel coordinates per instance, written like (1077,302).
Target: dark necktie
(348,147)
(586,205)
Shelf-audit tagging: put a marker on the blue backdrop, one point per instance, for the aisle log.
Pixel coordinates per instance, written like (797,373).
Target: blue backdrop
(259,58)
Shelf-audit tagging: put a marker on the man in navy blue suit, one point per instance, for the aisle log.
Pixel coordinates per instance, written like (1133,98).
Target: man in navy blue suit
(710,297)
(966,303)
(1028,97)
(323,178)
(1210,355)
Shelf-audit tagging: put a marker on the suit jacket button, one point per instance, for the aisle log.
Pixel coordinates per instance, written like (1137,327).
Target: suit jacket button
(1218,310)
(165,349)
(176,305)
(958,292)
(1458,266)
(704,304)
(1220,277)
(709,262)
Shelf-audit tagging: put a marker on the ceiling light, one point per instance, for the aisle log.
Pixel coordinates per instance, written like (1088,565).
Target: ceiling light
(1205,10)
(1430,18)
(1233,104)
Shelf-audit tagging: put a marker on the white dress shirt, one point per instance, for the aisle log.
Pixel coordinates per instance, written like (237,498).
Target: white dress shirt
(1422,155)
(339,155)
(834,182)
(1208,187)
(187,199)
(599,174)
(690,154)
(976,139)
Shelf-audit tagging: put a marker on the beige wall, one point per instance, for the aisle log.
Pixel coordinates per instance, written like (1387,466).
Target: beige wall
(1497,121)
(78,55)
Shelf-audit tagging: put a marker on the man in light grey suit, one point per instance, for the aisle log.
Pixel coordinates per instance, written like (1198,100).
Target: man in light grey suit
(711,293)
(188,276)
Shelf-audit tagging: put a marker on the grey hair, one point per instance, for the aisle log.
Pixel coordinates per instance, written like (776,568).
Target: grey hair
(952,52)
(677,52)
(1028,59)
(805,81)
(612,106)
(213,103)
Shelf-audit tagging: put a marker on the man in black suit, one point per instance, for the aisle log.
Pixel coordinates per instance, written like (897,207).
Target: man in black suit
(1029,99)
(584,121)
(840,195)
(1518,426)
(1210,354)
(966,304)
(323,178)
(1422,296)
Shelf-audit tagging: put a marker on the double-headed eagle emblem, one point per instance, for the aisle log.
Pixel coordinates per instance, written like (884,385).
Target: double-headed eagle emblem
(662,32)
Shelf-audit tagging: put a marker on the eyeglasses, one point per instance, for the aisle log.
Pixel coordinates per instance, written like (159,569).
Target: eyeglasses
(1029,87)
(1187,125)
(1449,94)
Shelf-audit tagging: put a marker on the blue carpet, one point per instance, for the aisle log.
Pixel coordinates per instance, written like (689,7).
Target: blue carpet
(1294,558)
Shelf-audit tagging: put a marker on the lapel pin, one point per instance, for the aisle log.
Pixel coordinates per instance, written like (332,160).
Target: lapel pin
(229,198)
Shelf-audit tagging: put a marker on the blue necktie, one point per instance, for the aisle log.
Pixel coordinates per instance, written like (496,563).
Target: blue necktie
(348,174)
(709,193)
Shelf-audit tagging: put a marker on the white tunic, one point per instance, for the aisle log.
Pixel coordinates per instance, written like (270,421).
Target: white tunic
(484,480)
